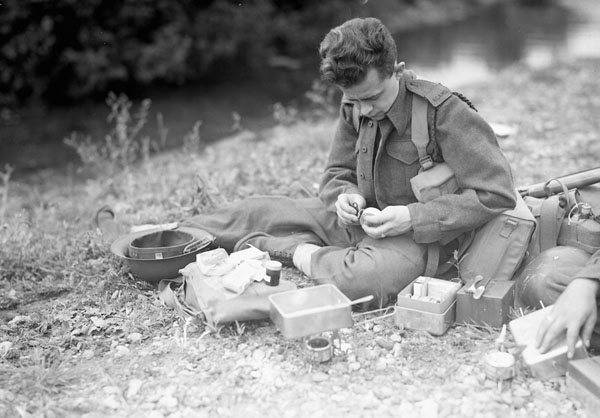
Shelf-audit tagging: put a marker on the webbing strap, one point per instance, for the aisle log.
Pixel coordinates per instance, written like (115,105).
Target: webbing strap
(551,216)
(433,259)
(419,132)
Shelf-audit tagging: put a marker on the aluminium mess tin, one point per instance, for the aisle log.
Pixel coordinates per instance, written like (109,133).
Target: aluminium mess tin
(427,304)
(311,310)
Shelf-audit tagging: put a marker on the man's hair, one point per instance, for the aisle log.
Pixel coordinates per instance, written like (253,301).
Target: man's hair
(349,50)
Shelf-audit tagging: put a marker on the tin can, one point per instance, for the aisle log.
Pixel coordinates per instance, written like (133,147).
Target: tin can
(319,348)
(273,272)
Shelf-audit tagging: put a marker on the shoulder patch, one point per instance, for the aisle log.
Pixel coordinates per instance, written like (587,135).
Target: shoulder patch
(435,93)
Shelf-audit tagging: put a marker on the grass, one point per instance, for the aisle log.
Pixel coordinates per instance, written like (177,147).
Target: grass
(66,302)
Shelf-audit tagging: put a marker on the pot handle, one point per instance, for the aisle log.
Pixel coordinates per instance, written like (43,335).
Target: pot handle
(361,300)
(385,312)
(320,309)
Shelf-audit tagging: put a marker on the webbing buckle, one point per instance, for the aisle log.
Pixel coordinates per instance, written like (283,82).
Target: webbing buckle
(426,162)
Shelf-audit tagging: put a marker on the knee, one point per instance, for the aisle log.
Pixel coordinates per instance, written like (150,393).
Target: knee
(547,276)
(379,272)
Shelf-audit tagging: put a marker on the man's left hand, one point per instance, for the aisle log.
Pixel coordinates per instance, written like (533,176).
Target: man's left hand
(575,312)
(391,221)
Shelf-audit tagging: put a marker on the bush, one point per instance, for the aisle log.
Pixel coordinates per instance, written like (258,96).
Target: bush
(66,50)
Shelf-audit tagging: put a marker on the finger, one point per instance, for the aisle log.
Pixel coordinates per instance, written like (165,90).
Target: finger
(572,337)
(553,331)
(541,332)
(588,329)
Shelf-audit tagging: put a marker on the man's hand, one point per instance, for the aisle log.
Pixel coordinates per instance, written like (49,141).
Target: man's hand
(347,207)
(391,221)
(575,312)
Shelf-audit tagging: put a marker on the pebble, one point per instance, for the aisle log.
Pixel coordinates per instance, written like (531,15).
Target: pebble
(518,402)
(168,402)
(319,377)
(339,398)
(429,408)
(466,408)
(378,328)
(134,387)
(354,366)
(396,338)
(111,390)
(20,320)
(537,386)
(88,354)
(5,347)
(384,392)
(134,337)
(258,354)
(121,351)
(381,364)
(6,395)
(384,343)
(521,392)
(110,402)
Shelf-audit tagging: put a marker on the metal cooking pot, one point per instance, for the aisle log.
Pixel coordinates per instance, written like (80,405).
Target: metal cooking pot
(312,310)
(161,244)
(154,270)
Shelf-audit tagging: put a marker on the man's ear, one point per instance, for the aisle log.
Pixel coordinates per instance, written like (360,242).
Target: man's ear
(399,68)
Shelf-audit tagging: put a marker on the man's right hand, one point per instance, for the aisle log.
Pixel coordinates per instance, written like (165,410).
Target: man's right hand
(347,206)
(574,312)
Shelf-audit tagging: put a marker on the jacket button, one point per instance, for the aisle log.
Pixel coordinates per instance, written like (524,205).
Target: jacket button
(364,149)
(362,175)
(370,124)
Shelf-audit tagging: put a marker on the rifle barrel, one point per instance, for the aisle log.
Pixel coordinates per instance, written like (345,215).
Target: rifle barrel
(571,181)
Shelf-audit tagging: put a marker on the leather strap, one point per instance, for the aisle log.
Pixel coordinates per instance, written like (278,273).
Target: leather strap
(433,259)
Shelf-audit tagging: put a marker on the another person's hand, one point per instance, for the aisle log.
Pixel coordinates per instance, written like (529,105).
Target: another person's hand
(391,221)
(347,207)
(575,312)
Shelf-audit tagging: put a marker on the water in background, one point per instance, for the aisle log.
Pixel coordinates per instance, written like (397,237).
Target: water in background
(453,54)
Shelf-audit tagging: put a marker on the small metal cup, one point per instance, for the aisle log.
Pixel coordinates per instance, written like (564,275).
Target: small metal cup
(319,349)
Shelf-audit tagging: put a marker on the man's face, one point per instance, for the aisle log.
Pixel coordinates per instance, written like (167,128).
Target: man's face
(374,96)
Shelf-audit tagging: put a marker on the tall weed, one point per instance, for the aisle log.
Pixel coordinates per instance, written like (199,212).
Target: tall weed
(5,178)
(123,145)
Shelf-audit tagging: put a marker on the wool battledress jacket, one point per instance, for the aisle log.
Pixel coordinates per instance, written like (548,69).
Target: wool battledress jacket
(379,167)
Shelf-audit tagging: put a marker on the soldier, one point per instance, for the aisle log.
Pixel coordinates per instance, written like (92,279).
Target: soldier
(372,160)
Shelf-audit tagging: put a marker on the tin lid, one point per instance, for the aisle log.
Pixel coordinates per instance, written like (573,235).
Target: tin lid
(273,265)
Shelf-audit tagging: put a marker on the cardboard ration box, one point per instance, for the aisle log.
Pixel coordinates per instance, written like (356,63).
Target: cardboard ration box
(427,304)
(554,362)
(583,383)
(491,309)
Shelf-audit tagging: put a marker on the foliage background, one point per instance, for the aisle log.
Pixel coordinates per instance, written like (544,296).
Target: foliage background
(65,50)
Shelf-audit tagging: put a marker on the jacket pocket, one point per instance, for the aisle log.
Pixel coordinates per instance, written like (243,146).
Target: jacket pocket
(403,150)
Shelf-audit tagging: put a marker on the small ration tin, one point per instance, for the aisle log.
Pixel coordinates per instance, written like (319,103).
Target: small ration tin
(273,271)
(427,304)
(491,309)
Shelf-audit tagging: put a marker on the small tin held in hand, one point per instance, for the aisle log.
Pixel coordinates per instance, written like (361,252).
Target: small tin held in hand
(273,272)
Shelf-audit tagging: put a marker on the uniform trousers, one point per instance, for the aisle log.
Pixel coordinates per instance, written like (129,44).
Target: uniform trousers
(348,258)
